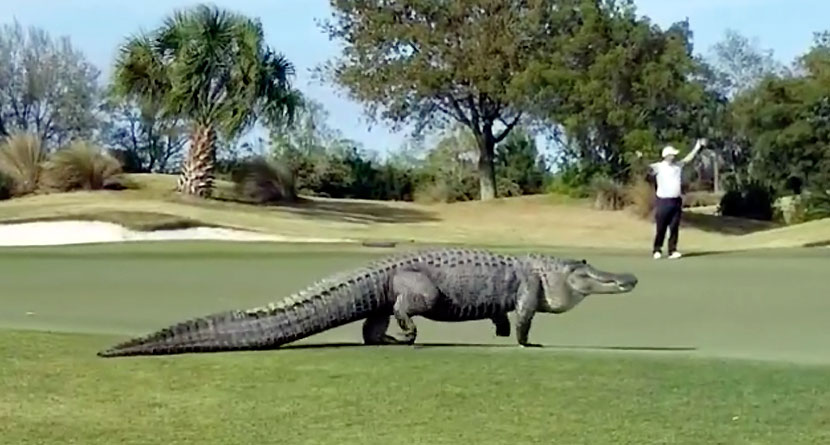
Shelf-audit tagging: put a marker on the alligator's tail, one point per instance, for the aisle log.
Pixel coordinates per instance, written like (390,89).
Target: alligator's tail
(300,316)
(219,332)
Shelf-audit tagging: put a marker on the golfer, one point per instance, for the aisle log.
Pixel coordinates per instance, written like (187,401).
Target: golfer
(669,204)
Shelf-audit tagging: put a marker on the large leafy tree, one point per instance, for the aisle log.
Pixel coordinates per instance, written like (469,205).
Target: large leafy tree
(141,135)
(787,120)
(432,62)
(741,64)
(211,67)
(620,86)
(735,66)
(47,87)
(521,168)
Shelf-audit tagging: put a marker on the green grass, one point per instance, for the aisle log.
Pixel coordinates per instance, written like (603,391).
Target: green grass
(55,392)
(715,349)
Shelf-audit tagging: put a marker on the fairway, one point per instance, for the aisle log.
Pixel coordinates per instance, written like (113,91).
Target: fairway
(727,348)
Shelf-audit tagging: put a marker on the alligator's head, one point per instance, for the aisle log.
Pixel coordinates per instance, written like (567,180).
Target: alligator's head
(568,282)
(587,279)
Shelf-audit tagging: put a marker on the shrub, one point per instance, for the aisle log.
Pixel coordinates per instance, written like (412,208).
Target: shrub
(395,183)
(81,166)
(752,201)
(130,161)
(264,181)
(608,193)
(5,187)
(641,197)
(442,191)
(21,162)
(507,188)
(702,199)
(432,192)
(570,181)
(816,204)
(791,209)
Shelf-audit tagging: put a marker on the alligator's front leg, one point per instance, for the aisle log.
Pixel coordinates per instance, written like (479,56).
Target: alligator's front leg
(502,324)
(415,294)
(526,304)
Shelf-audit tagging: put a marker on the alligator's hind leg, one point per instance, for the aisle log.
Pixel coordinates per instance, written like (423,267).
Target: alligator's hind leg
(375,328)
(415,295)
(502,325)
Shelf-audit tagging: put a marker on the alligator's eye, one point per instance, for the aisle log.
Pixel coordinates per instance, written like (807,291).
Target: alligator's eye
(585,262)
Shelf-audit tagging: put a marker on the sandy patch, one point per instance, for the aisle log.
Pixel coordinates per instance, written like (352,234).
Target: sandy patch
(58,233)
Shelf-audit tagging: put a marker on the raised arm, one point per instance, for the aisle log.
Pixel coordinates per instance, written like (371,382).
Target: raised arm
(689,157)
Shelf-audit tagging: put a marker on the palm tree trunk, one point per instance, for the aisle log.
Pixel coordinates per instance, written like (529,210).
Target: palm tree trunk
(197,172)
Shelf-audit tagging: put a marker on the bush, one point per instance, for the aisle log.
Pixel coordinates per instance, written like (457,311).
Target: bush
(264,181)
(432,192)
(81,166)
(393,183)
(130,161)
(507,188)
(444,187)
(791,209)
(641,198)
(570,181)
(21,162)
(446,190)
(608,194)
(5,187)
(753,201)
(702,199)
(816,204)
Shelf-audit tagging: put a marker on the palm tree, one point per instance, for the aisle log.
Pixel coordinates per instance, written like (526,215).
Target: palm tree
(212,68)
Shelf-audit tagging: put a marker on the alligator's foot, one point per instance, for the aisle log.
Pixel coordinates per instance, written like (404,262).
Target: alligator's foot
(386,340)
(390,340)
(409,335)
(374,331)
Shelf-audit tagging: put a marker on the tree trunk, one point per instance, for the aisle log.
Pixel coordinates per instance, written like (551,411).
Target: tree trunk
(197,172)
(486,169)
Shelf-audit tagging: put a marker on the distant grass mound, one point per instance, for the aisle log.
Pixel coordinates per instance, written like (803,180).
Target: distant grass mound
(150,202)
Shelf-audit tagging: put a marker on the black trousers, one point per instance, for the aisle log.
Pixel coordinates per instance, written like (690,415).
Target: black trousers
(667,215)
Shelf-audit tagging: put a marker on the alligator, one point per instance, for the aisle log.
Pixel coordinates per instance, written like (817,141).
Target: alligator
(442,284)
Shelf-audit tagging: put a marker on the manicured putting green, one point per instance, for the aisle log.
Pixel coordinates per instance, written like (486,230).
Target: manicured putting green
(760,305)
(653,366)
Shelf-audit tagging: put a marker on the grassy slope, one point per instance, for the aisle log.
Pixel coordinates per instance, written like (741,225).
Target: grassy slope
(534,221)
(56,391)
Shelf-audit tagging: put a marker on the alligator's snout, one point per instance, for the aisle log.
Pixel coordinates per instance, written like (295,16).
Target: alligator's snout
(627,282)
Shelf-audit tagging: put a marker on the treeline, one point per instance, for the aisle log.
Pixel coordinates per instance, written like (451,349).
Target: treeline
(610,87)
(310,158)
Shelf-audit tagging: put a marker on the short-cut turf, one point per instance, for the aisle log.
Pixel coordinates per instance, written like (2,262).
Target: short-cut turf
(660,365)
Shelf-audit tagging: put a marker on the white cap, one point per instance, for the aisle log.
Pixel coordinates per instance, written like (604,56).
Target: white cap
(670,151)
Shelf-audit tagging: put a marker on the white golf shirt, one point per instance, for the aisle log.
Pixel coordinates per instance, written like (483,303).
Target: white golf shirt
(669,177)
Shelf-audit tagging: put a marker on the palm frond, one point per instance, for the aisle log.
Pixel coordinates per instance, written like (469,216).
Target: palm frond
(213,66)
(140,70)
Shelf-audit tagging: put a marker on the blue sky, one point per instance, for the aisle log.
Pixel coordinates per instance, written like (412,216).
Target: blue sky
(98,26)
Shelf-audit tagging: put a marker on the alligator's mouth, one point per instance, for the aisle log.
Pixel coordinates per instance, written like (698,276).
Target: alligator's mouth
(620,285)
(625,287)
(608,283)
